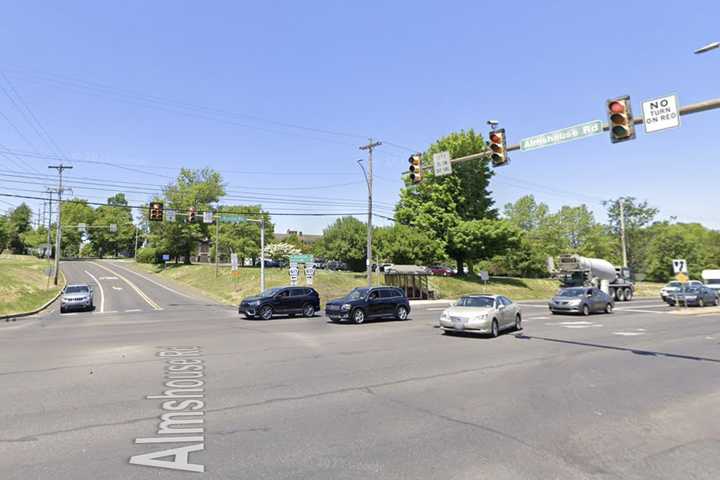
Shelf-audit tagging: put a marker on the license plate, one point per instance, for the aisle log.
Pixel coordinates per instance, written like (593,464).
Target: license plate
(458,324)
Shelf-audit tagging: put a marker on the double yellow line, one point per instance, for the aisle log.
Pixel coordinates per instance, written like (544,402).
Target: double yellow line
(132,285)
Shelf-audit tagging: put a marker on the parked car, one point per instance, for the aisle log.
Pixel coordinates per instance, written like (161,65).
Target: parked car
(489,314)
(363,304)
(78,296)
(336,265)
(694,295)
(441,271)
(269,263)
(281,300)
(584,300)
(674,287)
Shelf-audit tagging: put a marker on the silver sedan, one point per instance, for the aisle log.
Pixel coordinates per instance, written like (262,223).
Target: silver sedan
(488,314)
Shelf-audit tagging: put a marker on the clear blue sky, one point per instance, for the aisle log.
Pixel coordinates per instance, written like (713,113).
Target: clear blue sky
(402,72)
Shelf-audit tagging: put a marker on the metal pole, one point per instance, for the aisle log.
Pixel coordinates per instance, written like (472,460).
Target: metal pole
(262,254)
(136,241)
(217,242)
(49,236)
(622,232)
(58,234)
(369,147)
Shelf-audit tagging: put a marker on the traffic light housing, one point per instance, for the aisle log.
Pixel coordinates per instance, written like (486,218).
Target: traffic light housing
(156,212)
(498,147)
(192,212)
(620,119)
(416,173)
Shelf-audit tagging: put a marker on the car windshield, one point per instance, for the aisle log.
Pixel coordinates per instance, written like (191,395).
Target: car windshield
(269,292)
(77,289)
(691,289)
(571,292)
(357,293)
(476,302)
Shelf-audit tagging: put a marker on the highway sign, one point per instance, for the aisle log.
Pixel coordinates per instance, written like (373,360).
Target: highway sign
(682,277)
(207,217)
(170,215)
(679,266)
(234,261)
(305,258)
(231,218)
(661,114)
(563,135)
(293,274)
(441,163)
(113,227)
(166,257)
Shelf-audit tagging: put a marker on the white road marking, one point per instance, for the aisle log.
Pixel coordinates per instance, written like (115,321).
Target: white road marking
(153,281)
(133,286)
(540,318)
(628,334)
(108,278)
(532,305)
(133,310)
(639,310)
(102,293)
(117,288)
(436,309)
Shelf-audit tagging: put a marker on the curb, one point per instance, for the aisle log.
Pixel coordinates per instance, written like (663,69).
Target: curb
(37,310)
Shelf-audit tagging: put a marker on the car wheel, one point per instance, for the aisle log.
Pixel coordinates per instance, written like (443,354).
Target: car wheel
(494,330)
(266,312)
(402,313)
(701,302)
(62,310)
(586,310)
(358,316)
(608,308)
(628,294)
(518,322)
(716,302)
(308,310)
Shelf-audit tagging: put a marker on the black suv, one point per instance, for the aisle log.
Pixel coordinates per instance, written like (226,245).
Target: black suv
(366,303)
(283,300)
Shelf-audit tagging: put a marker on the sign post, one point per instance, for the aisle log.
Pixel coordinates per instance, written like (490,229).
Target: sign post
(661,113)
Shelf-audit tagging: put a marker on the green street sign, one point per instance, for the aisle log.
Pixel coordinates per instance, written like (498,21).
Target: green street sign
(231,218)
(301,258)
(563,135)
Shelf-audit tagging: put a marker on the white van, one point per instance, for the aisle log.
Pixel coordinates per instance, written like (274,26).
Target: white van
(712,279)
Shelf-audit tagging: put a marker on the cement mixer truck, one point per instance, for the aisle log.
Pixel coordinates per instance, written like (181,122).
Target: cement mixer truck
(577,271)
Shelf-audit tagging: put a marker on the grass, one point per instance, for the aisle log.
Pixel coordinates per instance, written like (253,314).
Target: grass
(229,289)
(23,284)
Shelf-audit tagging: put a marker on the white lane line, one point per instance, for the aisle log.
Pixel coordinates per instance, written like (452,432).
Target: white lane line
(133,286)
(102,293)
(436,309)
(153,281)
(639,310)
(628,334)
(133,310)
(116,288)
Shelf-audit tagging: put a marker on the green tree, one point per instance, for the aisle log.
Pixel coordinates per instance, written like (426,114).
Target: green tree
(525,213)
(406,245)
(345,240)
(74,212)
(106,242)
(243,238)
(4,233)
(280,250)
(439,204)
(20,222)
(638,216)
(476,240)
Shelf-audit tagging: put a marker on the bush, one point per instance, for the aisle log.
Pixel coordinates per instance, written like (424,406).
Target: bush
(148,255)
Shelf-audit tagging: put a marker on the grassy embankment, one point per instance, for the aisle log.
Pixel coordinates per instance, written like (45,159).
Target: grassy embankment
(228,289)
(24,283)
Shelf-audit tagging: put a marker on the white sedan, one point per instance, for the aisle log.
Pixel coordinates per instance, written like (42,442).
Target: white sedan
(488,314)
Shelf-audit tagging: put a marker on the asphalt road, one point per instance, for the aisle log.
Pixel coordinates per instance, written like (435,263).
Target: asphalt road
(632,395)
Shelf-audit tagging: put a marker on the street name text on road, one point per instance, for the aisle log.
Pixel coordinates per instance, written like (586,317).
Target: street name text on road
(661,114)
(563,135)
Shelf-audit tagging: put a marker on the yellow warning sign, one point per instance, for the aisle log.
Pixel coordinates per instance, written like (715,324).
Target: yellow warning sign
(682,277)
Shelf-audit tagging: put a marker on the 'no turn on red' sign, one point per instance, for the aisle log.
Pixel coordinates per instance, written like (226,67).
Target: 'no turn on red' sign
(661,114)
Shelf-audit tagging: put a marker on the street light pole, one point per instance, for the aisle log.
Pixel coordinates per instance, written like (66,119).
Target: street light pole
(707,48)
(58,234)
(369,177)
(622,232)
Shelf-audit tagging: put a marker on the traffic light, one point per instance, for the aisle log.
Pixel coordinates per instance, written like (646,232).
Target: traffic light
(191,214)
(620,119)
(156,212)
(416,174)
(499,148)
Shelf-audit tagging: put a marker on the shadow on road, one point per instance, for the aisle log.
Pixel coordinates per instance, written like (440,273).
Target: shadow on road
(635,351)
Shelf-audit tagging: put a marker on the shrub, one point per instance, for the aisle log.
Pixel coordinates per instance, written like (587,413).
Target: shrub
(148,255)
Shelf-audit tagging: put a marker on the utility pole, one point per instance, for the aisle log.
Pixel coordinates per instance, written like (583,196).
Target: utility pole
(58,234)
(49,236)
(369,147)
(262,253)
(622,232)
(217,241)
(136,240)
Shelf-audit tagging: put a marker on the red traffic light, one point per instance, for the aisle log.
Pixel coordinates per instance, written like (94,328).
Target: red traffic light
(617,107)
(620,119)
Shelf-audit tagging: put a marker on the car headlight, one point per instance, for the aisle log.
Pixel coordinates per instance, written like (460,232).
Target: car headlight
(346,307)
(480,318)
(254,302)
(575,302)
(444,315)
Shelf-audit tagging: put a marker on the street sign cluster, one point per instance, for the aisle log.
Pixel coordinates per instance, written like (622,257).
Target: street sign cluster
(661,113)
(294,270)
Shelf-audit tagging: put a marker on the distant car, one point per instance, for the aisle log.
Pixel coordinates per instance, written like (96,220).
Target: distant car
(583,300)
(281,300)
(78,296)
(674,287)
(441,271)
(363,304)
(269,263)
(336,265)
(488,314)
(694,295)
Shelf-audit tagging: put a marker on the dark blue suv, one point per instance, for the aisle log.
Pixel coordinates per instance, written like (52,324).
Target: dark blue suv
(283,300)
(368,303)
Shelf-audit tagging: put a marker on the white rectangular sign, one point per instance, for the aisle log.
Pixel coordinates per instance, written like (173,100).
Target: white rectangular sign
(309,273)
(661,113)
(680,266)
(170,215)
(207,217)
(441,164)
(234,261)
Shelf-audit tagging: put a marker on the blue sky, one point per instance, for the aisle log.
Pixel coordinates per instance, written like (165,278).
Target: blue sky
(279,95)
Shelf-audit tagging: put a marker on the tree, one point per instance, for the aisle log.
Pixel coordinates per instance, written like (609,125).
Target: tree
(439,204)
(4,233)
(406,245)
(200,189)
(638,215)
(475,240)
(345,240)
(243,238)
(525,213)
(19,223)
(106,242)
(280,250)
(74,212)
